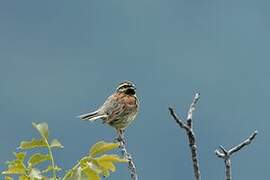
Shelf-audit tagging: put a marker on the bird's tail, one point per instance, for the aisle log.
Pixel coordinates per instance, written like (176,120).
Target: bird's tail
(91,116)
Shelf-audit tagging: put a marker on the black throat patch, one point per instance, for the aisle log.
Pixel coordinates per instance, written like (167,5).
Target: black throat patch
(130,91)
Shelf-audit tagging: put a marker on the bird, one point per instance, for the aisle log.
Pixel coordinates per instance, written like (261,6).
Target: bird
(119,110)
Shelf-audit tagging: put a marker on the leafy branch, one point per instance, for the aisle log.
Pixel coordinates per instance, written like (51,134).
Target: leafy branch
(30,171)
(92,166)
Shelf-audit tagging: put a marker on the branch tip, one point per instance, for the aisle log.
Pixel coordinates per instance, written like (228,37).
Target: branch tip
(197,96)
(253,135)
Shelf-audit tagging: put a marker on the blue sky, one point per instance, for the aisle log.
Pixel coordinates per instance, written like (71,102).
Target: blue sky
(62,58)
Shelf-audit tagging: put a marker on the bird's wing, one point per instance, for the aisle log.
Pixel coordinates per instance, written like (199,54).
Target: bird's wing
(112,106)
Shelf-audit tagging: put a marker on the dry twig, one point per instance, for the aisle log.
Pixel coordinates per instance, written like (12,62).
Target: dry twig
(188,126)
(226,154)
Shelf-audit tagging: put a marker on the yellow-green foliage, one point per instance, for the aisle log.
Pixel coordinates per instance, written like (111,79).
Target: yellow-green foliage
(90,167)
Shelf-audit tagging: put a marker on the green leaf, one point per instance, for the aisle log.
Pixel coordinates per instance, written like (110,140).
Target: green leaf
(38,158)
(107,165)
(102,147)
(50,168)
(112,158)
(42,129)
(56,144)
(34,143)
(20,156)
(90,173)
(16,166)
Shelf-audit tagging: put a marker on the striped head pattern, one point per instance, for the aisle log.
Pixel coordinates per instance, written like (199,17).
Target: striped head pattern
(126,87)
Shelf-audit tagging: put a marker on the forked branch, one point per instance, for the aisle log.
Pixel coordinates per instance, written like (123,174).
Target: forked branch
(226,154)
(188,127)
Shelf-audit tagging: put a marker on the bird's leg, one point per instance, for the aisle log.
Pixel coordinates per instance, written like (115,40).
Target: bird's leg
(122,140)
(120,136)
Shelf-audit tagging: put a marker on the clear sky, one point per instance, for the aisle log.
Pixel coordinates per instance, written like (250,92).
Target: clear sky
(59,59)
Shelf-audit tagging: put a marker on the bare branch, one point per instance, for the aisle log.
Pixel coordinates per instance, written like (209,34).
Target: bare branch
(190,134)
(131,164)
(244,143)
(178,120)
(192,109)
(226,155)
(219,154)
(225,152)
(228,168)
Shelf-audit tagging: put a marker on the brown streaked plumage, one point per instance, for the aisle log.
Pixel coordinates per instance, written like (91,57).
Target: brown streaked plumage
(119,110)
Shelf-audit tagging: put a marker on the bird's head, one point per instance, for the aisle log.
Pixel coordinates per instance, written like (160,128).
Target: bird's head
(126,87)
